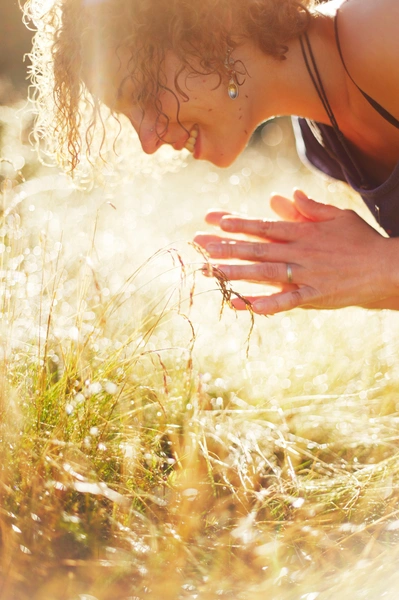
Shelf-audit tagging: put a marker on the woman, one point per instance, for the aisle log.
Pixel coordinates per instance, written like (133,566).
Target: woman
(202,74)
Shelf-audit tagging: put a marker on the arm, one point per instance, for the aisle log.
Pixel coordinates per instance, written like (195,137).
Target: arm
(336,258)
(388,303)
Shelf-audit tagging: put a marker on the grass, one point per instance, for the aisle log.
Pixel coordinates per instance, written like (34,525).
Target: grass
(150,448)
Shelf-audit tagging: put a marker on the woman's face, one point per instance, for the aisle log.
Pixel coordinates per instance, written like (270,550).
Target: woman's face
(211,125)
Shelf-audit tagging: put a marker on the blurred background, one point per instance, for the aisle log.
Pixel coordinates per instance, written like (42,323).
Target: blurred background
(15,42)
(284,432)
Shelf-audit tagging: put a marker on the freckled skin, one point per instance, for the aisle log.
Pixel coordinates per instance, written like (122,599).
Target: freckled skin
(200,102)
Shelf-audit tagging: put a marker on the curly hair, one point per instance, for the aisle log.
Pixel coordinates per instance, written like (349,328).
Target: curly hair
(73,38)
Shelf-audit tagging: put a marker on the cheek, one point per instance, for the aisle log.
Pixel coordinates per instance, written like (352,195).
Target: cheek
(171,106)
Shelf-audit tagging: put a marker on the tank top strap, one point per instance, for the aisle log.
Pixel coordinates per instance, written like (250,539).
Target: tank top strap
(380,109)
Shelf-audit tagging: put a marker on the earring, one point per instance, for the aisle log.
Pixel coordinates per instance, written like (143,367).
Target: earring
(232,88)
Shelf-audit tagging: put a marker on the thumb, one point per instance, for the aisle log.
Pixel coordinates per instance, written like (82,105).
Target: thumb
(314,211)
(286,209)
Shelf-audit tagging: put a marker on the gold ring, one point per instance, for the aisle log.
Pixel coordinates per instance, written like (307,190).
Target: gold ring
(289,273)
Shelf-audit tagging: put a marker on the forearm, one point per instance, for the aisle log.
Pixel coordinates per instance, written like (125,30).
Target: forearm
(391,269)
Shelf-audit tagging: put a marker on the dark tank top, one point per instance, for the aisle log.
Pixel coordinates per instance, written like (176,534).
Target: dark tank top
(324,147)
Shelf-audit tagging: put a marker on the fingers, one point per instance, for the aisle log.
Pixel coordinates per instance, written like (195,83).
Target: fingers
(270,305)
(204,239)
(302,209)
(244,302)
(259,252)
(261,272)
(278,231)
(225,248)
(314,211)
(303,240)
(233,223)
(214,216)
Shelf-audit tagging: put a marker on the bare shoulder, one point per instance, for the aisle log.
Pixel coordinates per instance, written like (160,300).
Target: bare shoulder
(369,39)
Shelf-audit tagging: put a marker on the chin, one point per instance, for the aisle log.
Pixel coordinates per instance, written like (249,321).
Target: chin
(222,161)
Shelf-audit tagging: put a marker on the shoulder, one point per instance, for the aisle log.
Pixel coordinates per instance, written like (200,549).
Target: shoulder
(369,39)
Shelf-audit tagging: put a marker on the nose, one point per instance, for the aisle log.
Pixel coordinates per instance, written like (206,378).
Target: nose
(151,140)
(144,125)
(150,136)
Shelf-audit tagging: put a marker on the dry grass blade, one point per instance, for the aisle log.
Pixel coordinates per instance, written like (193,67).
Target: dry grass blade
(144,453)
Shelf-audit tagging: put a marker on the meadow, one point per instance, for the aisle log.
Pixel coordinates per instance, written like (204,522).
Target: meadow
(154,444)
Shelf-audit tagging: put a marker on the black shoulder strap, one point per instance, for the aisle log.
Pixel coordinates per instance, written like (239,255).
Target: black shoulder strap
(315,76)
(380,109)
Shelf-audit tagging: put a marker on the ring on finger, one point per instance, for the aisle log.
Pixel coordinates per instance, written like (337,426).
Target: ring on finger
(289,273)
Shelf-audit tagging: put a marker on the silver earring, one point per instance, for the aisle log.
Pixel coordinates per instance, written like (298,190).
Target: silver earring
(232,88)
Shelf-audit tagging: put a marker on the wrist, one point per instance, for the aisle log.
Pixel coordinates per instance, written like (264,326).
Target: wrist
(390,267)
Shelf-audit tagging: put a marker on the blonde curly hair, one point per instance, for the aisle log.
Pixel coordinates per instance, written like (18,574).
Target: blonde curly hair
(73,38)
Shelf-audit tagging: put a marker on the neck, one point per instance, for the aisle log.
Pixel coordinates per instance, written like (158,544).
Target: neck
(285,87)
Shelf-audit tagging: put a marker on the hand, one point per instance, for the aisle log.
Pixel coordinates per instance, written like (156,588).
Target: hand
(335,257)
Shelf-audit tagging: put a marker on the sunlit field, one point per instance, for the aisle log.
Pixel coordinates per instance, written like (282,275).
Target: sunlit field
(156,445)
